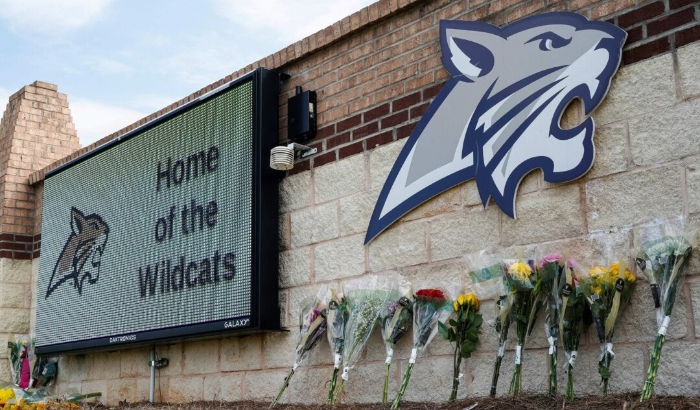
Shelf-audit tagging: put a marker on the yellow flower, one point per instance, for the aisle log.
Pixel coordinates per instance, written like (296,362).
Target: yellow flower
(456,306)
(520,270)
(473,301)
(597,289)
(629,277)
(462,299)
(597,271)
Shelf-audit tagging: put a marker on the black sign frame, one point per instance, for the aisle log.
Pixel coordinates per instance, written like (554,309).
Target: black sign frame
(265,313)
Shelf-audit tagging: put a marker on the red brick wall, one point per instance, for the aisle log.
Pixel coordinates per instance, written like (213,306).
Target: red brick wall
(376,71)
(36,131)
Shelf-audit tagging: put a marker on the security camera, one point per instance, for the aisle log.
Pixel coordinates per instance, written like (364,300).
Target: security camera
(282,157)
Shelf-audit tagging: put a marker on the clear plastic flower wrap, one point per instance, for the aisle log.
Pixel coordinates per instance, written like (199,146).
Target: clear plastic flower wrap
(365,298)
(431,305)
(607,285)
(520,279)
(312,325)
(572,322)
(395,319)
(546,293)
(487,276)
(22,360)
(662,257)
(337,318)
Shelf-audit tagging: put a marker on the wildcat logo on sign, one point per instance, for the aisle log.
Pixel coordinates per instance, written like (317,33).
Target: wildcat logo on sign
(497,118)
(82,254)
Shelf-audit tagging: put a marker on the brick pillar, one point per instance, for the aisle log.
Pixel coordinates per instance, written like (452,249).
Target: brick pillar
(36,130)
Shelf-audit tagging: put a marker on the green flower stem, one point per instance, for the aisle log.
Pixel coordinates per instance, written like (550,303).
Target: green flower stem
(339,391)
(402,389)
(385,392)
(516,380)
(331,390)
(653,368)
(455,379)
(569,383)
(284,387)
(605,362)
(553,372)
(496,373)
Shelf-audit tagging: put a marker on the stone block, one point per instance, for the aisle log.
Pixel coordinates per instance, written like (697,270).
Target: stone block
(106,366)
(312,225)
(545,216)
(535,375)
(692,181)
(381,160)
(637,89)
(695,301)
(121,390)
(611,150)
(134,362)
(285,232)
(283,308)
(688,61)
(295,191)
(339,179)
(431,379)
(366,382)
(454,235)
(597,248)
(184,389)
(451,273)
(14,296)
(226,387)
(679,374)
(279,348)
(339,258)
(448,201)
(264,385)
(634,198)
(101,386)
(241,353)
(174,354)
(355,212)
(627,371)
(637,322)
(200,357)
(400,245)
(665,135)
(15,271)
(75,368)
(5,373)
(295,267)
(306,387)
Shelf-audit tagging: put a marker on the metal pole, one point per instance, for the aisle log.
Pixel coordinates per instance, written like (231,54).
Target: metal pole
(152,392)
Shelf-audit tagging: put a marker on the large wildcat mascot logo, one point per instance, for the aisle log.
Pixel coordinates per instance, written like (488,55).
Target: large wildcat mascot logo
(82,253)
(497,118)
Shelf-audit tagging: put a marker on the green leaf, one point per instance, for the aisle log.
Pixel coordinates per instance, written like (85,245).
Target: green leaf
(444,331)
(478,320)
(453,323)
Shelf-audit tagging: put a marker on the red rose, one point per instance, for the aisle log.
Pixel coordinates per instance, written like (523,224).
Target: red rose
(431,293)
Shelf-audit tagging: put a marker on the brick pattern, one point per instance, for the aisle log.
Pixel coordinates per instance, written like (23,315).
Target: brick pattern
(390,50)
(36,130)
(21,247)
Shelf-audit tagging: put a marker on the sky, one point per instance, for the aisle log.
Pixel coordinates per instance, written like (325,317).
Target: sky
(120,60)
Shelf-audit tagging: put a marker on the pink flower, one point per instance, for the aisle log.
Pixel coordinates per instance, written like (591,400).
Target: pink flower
(551,258)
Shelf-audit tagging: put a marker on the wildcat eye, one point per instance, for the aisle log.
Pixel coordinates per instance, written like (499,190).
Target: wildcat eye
(549,41)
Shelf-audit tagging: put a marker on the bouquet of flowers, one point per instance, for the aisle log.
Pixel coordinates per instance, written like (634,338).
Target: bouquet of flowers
(430,306)
(337,317)
(395,318)
(546,293)
(365,298)
(520,279)
(607,289)
(663,262)
(22,360)
(312,324)
(487,275)
(571,324)
(463,332)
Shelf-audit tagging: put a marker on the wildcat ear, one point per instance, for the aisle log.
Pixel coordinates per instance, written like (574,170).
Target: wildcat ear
(77,220)
(470,52)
